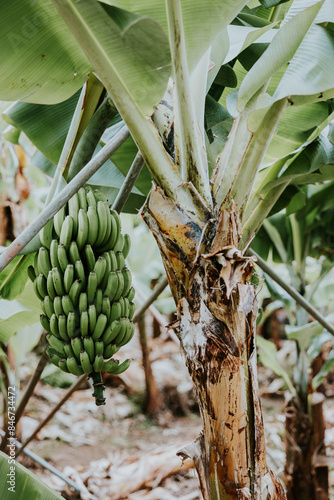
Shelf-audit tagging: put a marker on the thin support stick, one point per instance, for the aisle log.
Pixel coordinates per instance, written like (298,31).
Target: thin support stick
(128,183)
(294,294)
(67,395)
(44,464)
(57,203)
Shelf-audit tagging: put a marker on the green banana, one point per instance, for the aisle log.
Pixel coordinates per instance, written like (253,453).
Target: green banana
(39,296)
(115,312)
(63,365)
(129,334)
(117,227)
(91,287)
(100,269)
(48,306)
(82,229)
(68,349)
(109,351)
(77,346)
(74,292)
(89,348)
(122,367)
(58,220)
(45,322)
(119,243)
(98,301)
(31,273)
(103,223)
(66,232)
(112,286)
(109,225)
(131,294)
(121,303)
(80,272)
(84,324)
(71,325)
(113,260)
(43,261)
(132,309)
(106,307)
(62,258)
(35,266)
(111,332)
(62,327)
(68,277)
(98,363)
(73,366)
(55,343)
(90,258)
(101,323)
(120,260)
(93,225)
(120,286)
(73,252)
(126,306)
(50,286)
(127,281)
(45,234)
(73,209)
(54,254)
(106,272)
(51,350)
(83,302)
(123,330)
(57,304)
(67,304)
(99,347)
(55,360)
(54,325)
(58,281)
(110,366)
(92,318)
(41,286)
(85,362)
(99,196)
(91,200)
(126,246)
(82,199)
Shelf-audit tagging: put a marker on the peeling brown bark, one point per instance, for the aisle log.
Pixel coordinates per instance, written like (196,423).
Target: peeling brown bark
(305,433)
(209,279)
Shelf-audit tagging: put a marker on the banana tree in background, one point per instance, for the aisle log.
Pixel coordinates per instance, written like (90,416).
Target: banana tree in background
(305,231)
(220,161)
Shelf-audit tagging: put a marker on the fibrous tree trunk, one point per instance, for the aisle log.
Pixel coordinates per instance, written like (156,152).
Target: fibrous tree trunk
(210,280)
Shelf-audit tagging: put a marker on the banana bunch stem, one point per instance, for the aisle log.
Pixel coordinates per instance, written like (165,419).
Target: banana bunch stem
(98,388)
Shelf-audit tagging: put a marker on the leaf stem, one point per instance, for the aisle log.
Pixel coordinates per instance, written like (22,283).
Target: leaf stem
(192,157)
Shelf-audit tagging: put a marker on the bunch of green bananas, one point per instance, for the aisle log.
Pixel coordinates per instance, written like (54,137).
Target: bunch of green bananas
(84,286)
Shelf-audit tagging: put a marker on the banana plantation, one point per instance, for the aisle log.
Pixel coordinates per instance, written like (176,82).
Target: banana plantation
(167,249)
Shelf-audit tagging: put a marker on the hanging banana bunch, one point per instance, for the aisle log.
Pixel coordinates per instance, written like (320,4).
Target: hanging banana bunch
(84,286)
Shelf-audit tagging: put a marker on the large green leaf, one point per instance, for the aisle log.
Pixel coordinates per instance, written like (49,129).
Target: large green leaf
(18,313)
(280,52)
(46,126)
(268,357)
(202,21)
(25,484)
(14,277)
(41,61)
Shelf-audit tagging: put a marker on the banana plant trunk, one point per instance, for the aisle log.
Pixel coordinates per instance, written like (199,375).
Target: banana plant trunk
(210,280)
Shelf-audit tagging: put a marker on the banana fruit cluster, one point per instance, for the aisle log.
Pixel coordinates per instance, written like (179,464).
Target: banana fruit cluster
(84,286)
